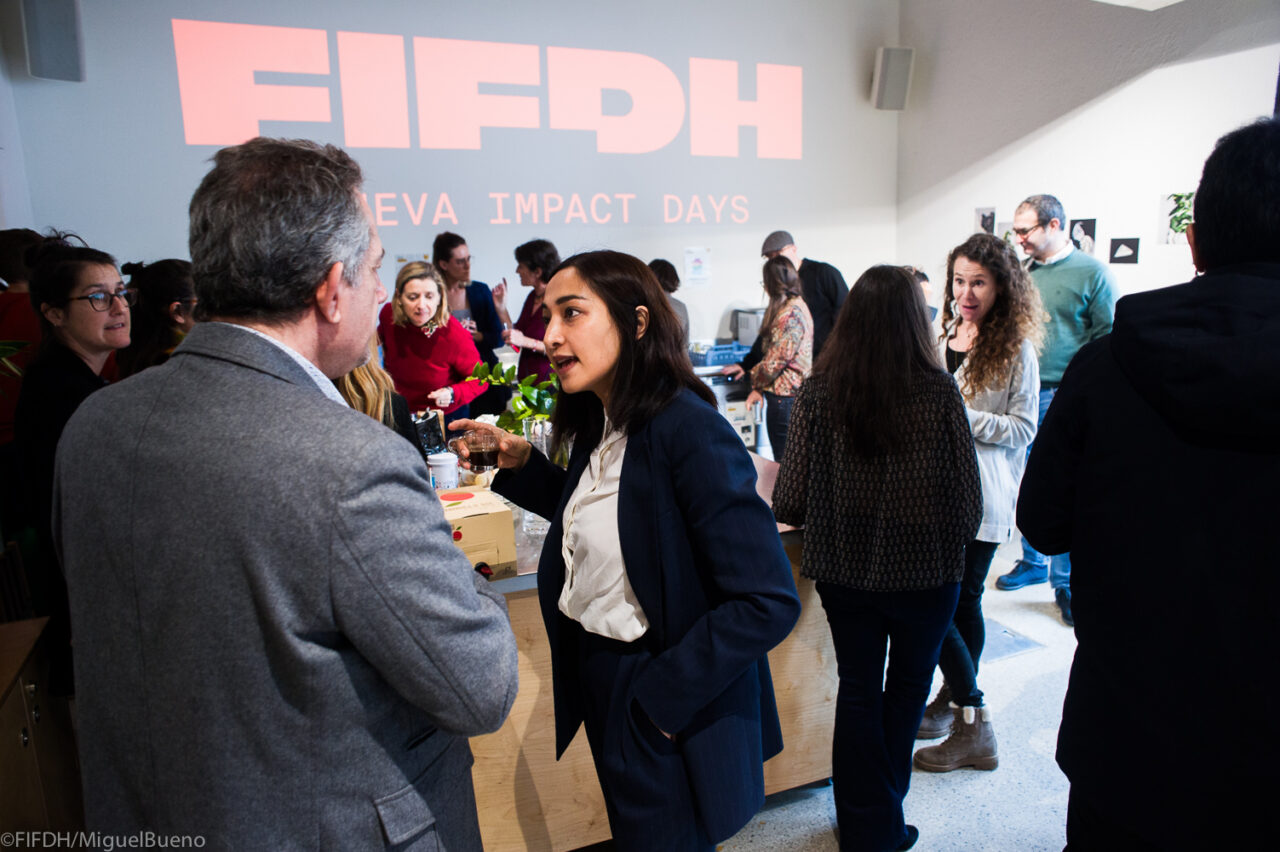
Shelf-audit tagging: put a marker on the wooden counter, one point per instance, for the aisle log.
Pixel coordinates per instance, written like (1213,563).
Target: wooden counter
(528,800)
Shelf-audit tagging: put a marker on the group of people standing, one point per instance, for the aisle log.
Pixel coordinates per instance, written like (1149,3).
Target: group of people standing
(309,657)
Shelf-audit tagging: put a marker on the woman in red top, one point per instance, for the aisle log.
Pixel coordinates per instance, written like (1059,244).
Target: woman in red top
(536,261)
(427,352)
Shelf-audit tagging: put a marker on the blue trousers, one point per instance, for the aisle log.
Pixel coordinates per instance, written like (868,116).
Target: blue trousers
(879,712)
(777,417)
(1060,565)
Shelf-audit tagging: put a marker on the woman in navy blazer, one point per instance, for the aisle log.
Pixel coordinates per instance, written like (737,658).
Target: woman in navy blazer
(680,719)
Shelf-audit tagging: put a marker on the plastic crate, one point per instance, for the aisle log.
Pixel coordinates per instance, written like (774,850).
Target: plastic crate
(719,355)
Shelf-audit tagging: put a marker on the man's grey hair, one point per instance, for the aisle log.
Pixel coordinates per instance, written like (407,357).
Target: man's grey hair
(1047,207)
(267,223)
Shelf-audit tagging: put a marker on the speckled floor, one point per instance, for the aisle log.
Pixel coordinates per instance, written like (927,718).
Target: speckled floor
(1020,806)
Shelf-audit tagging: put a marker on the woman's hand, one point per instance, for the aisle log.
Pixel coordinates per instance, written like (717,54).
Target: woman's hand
(442,398)
(753,399)
(513,451)
(524,341)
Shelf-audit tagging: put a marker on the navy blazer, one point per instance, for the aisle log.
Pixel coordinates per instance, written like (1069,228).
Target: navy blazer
(706,564)
(485,314)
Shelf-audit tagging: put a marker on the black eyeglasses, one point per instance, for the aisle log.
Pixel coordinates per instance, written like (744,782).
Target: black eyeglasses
(101,301)
(1022,232)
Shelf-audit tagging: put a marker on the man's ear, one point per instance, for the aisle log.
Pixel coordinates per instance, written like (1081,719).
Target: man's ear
(1191,241)
(642,321)
(329,293)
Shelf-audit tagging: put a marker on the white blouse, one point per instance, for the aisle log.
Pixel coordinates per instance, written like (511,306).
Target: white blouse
(596,591)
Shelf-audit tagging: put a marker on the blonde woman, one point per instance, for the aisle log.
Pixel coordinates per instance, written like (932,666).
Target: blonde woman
(427,352)
(370,389)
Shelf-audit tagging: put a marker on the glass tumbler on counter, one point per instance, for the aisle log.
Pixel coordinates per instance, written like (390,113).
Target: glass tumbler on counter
(538,433)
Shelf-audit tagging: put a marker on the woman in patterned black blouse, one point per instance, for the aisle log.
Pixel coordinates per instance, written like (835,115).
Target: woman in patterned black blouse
(880,470)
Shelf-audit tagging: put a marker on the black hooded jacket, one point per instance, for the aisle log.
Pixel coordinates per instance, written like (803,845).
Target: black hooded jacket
(1158,468)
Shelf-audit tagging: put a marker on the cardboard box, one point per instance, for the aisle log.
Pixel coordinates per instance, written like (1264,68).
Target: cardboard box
(482,528)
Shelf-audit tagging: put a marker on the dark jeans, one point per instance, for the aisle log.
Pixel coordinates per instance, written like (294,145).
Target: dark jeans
(962,646)
(777,417)
(878,714)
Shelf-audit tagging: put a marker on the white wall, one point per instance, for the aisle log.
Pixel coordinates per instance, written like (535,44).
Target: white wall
(1124,108)
(15,197)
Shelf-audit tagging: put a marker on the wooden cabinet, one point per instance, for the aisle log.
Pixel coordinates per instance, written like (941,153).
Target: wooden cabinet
(39,774)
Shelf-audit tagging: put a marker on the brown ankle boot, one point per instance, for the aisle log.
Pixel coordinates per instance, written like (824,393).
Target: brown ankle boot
(972,743)
(937,716)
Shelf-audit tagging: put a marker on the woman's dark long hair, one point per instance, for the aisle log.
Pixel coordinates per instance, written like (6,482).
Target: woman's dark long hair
(880,343)
(153,334)
(651,370)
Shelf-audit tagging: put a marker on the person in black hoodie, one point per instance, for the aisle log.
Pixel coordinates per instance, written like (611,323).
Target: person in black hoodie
(1158,468)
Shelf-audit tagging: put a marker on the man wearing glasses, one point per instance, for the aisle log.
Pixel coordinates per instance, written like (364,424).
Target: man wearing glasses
(1079,297)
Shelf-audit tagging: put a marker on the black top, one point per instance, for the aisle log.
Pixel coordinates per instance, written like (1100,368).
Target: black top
(404,422)
(954,360)
(53,387)
(1156,467)
(896,522)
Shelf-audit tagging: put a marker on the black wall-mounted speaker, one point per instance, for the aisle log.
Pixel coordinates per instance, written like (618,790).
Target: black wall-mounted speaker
(892,78)
(51,30)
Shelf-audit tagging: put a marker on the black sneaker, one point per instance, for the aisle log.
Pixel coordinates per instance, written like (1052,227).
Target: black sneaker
(1062,597)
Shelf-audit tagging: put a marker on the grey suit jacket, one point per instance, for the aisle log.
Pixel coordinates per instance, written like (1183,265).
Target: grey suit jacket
(277,644)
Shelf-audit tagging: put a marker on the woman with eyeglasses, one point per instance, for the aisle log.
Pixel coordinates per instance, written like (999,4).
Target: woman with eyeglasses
(163,314)
(84,316)
(471,304)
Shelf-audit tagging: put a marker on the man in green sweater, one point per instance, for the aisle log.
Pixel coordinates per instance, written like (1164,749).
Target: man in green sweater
(1079,297)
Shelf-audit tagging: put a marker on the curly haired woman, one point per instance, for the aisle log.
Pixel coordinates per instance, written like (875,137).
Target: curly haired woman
(992,324)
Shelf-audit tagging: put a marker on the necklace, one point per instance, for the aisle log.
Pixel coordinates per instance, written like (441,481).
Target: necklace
(430,328)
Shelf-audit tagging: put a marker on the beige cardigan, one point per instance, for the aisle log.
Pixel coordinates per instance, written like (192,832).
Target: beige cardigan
(1003,420)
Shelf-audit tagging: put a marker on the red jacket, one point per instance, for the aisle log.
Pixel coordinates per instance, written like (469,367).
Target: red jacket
(420,364)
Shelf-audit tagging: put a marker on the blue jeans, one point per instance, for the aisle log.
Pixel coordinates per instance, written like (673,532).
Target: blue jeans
(877,715)
(1060,565)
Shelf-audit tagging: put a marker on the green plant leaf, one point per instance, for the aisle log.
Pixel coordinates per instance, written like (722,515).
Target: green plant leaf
(511,374)
(481,372)
(528,380)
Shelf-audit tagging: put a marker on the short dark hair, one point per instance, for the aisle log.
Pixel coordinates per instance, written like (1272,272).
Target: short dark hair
(880,342)
(651,371)
(540,256)
(442,248)
(1237,206)
(665,271)
(1047,207)
(151,334)
(14,243)
(56,263)
(268,222)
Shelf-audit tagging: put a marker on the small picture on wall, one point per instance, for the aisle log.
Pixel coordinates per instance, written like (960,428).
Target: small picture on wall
(1124,250)
(1083,232)
(1175,215)
(984,220)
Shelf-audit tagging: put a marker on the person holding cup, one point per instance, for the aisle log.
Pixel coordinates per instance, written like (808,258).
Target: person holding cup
(535,261)
(471,303)
(427,352)
(663,583)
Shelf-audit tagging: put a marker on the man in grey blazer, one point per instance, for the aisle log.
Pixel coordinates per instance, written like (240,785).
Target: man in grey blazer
(277,644)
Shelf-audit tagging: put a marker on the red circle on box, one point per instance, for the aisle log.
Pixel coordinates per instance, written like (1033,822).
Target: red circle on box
(457,535)
(455,496)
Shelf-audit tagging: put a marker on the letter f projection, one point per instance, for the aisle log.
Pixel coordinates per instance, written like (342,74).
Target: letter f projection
(221,103)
